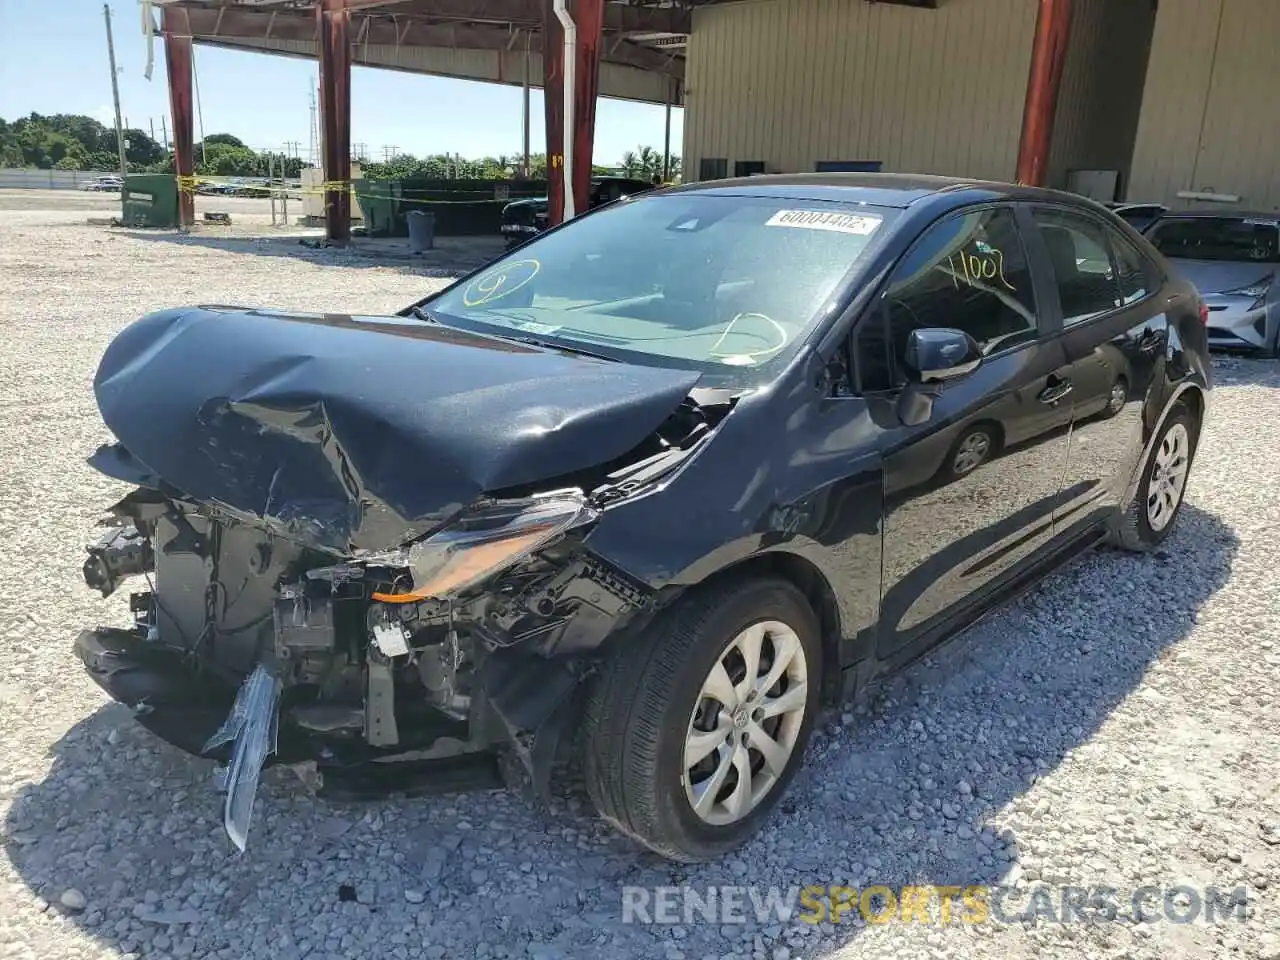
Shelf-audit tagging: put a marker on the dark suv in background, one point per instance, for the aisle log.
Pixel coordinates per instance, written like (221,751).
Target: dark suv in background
(522,219)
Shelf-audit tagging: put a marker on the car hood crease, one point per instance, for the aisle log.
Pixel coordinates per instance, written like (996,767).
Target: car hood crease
(349,433)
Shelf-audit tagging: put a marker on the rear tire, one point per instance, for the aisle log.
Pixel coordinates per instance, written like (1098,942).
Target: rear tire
(1157,503)
(661,702)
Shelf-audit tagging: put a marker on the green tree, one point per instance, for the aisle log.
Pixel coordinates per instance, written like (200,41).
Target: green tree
(226,139)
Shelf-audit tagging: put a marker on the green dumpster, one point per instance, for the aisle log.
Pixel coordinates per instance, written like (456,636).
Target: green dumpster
(379,202)
(149,200)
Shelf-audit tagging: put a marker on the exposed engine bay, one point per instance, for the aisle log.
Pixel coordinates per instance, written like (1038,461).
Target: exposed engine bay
(252,647)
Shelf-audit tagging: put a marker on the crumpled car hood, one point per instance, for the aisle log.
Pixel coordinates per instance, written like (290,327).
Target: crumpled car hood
(349,433)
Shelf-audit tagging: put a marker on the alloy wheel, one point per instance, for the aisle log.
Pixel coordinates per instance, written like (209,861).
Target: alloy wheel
(1168,477)
(1119,394)
(973,451)
(746,723)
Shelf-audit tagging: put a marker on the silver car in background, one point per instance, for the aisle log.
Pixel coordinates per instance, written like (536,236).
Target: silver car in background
(1232,258)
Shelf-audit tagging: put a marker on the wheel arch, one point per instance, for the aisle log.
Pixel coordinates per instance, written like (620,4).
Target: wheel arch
(807,577)
(1189,392)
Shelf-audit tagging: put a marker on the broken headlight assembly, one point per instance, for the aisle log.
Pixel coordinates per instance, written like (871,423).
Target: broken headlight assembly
(484,541)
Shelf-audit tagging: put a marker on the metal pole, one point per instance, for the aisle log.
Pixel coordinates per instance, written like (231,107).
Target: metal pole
(164,132)
(335,117)
(666,145)
(271,184)
(115,92)
(284,194)
(195,79)
(525,166)
(1048,57)
(177,57)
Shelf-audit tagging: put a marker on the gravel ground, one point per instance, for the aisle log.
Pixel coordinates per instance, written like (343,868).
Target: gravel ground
(1117,726)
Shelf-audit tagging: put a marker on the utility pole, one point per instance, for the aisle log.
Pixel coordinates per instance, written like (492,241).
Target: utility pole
(313,149)
(115,91)
(524,163)
(204,153)
(164,131)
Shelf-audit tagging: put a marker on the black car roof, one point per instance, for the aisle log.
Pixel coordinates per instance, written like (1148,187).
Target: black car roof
(878,189)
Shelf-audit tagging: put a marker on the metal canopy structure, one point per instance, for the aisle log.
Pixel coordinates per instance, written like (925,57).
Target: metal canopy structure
(641,55)
(633,49)
(580,49)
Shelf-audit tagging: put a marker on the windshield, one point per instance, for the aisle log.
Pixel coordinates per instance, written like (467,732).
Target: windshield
(712,283)
(1232,239)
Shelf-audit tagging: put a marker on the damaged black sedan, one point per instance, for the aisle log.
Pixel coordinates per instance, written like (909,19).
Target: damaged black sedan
(654,488)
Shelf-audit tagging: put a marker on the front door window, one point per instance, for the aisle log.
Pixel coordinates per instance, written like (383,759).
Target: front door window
(970,273)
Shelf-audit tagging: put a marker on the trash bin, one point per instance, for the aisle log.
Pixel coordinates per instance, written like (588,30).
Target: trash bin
(149,200)
(378,200)
(422,230)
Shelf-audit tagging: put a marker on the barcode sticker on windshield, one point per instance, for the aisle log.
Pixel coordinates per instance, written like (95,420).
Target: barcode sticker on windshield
(825,220)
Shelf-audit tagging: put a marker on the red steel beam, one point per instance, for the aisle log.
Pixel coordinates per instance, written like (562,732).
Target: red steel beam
(335,117)
(588,17)
(1048,56)
(177,60)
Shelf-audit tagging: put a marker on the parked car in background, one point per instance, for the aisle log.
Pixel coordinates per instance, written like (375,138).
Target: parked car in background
(107,184)
(523,219)
(659,485)
(1232,258)
(1139,215)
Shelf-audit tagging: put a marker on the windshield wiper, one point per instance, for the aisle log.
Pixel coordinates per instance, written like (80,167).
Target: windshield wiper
(548,345)
(423,314)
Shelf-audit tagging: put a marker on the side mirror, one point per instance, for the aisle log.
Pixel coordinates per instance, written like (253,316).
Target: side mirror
(939,353)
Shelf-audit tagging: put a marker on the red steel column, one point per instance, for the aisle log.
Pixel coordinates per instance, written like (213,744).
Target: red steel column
(588,17)
(176,27)
(1048,55)
(335,118)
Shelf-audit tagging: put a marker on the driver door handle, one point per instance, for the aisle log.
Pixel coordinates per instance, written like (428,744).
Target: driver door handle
(1055,391)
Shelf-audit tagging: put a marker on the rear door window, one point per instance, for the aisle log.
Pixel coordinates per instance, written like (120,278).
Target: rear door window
(1132,270)
(1080,253)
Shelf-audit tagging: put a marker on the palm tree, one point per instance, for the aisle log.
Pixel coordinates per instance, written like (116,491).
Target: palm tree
(630,164)
(650,162)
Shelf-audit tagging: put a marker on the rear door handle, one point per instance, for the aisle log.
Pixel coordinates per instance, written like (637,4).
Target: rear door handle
(1055,391)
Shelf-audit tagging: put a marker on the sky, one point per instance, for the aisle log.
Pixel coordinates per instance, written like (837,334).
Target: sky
(53,59)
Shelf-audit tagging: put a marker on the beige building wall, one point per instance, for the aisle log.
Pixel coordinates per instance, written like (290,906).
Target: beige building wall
(792,82)
(1102,84)
(1209,120)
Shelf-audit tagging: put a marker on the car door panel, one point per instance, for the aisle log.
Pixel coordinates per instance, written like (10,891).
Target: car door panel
(1118,349)
(950,536)
(1104,448)
(946,540)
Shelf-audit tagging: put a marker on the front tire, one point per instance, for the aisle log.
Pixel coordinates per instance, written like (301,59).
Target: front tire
(696,728)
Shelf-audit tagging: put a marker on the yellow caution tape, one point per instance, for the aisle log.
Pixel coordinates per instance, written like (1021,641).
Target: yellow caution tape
(190,185)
